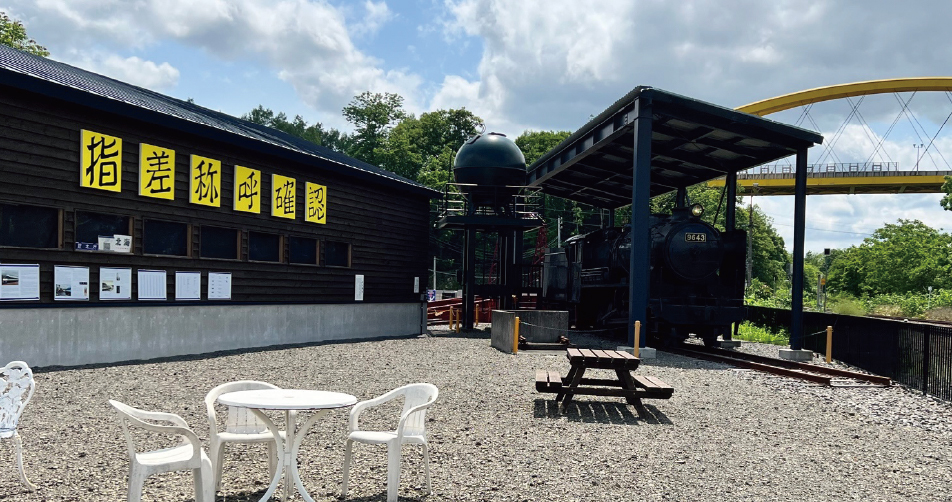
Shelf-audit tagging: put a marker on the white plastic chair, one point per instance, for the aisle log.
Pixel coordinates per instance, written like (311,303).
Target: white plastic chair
(410,429)
(186,455)
(241,426)
(16,389)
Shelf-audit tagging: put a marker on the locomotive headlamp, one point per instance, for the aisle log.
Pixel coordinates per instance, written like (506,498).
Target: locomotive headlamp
(697,210)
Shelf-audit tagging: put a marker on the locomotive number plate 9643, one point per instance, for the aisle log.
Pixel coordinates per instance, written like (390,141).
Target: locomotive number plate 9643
(695,237)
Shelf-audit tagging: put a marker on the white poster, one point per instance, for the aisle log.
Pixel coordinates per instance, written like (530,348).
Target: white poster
(152,285)
(219,286)
(115,243)
(115,283)
(122,243)
(70,283)
(19,282)
(188,285)
(416,284)
(359,288)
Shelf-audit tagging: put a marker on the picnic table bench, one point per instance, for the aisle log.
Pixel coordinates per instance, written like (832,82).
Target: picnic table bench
(632,388)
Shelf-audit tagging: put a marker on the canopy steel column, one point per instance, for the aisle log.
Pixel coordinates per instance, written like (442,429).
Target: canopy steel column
(799,231)
(730,212)
(469,278)
(638,278)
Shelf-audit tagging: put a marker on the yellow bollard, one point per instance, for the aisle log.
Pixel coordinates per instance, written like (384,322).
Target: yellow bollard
(515,337)
(459,319)
(477,313)
(829,344)
(636,350)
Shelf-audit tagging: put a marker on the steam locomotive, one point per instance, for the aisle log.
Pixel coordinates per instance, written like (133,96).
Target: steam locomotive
(696,277)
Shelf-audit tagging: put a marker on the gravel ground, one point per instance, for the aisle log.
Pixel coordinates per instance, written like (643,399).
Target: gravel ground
(726,434)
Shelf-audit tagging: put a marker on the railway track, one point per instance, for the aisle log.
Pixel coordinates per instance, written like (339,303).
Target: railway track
(818,374)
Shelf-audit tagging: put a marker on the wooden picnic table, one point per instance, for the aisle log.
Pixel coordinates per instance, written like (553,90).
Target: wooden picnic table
(632,388)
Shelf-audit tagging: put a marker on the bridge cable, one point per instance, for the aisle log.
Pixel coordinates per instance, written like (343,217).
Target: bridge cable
(931,141)
(914,122)
(868,130)
(828,151)
(891,126)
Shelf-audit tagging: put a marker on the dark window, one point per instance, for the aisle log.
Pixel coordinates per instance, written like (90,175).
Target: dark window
(165,237)
(336,254)
(303,250)
(29,226)
(264,247)
(219,243)
(89,226)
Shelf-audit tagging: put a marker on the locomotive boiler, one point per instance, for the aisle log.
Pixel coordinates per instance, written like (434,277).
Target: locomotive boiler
(696,282)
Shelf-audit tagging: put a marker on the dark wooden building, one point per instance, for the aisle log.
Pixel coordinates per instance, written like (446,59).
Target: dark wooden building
(99,178)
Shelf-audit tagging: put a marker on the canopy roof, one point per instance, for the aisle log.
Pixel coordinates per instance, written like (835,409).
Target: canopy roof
(691,142)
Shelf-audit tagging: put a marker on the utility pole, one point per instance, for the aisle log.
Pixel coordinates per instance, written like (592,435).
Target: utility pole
(917,147)
(559,233)
(434,273)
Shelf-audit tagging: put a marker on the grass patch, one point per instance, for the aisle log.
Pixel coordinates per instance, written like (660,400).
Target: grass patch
(751,333)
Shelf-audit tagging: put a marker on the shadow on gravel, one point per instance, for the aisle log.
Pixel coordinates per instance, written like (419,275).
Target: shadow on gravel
(466,333)
(256,496)
(600,412)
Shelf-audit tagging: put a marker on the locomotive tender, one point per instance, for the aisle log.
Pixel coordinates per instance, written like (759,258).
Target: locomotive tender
(696,283)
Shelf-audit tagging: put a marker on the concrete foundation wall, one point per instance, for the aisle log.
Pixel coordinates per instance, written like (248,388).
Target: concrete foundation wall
(536,326)
(76,336)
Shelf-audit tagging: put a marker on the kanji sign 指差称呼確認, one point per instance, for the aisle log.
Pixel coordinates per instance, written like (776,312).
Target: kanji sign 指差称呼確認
(101,168)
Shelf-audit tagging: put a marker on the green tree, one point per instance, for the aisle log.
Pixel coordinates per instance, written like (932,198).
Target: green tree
(576,217)
(946,201)
(423,149)
(13,34)
(905,257)
(315,133)
(373,116)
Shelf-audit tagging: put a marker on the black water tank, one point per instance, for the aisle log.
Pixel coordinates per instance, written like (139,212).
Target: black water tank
(490,160)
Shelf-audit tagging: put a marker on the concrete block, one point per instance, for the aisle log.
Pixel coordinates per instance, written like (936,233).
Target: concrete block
(801,355)
(536,326)
(729,344)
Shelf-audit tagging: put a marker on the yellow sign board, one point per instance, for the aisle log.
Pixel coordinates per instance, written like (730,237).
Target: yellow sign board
(316,203)
(100,161)
(204,184)
(283,191)
(156,172)
(247,190)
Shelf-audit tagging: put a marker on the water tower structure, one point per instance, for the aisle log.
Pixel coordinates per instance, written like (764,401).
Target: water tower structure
(490,203)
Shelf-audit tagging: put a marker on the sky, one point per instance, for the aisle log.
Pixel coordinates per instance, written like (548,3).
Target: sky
(545,65)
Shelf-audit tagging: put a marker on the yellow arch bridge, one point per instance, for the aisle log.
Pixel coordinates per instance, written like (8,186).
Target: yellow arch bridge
(843,178)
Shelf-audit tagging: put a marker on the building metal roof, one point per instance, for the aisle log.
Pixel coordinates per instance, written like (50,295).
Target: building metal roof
(57,80)
(691,142)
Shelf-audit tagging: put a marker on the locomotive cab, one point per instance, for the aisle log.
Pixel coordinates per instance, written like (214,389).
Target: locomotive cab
(696,283)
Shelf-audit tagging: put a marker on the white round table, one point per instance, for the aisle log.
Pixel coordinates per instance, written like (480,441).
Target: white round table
(288,400)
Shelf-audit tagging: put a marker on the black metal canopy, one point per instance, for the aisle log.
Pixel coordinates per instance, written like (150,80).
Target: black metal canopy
(691,142)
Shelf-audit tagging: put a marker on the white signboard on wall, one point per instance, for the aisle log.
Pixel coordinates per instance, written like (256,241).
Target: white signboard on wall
(219,285)
(19,282)
(359,288)
(416,284)
(115,283)
(70,283)
(188,285)
(152,285)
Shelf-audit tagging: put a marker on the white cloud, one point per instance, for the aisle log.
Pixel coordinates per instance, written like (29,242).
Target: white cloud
(131,70)
(307,44)
(375,16)
(558,61)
